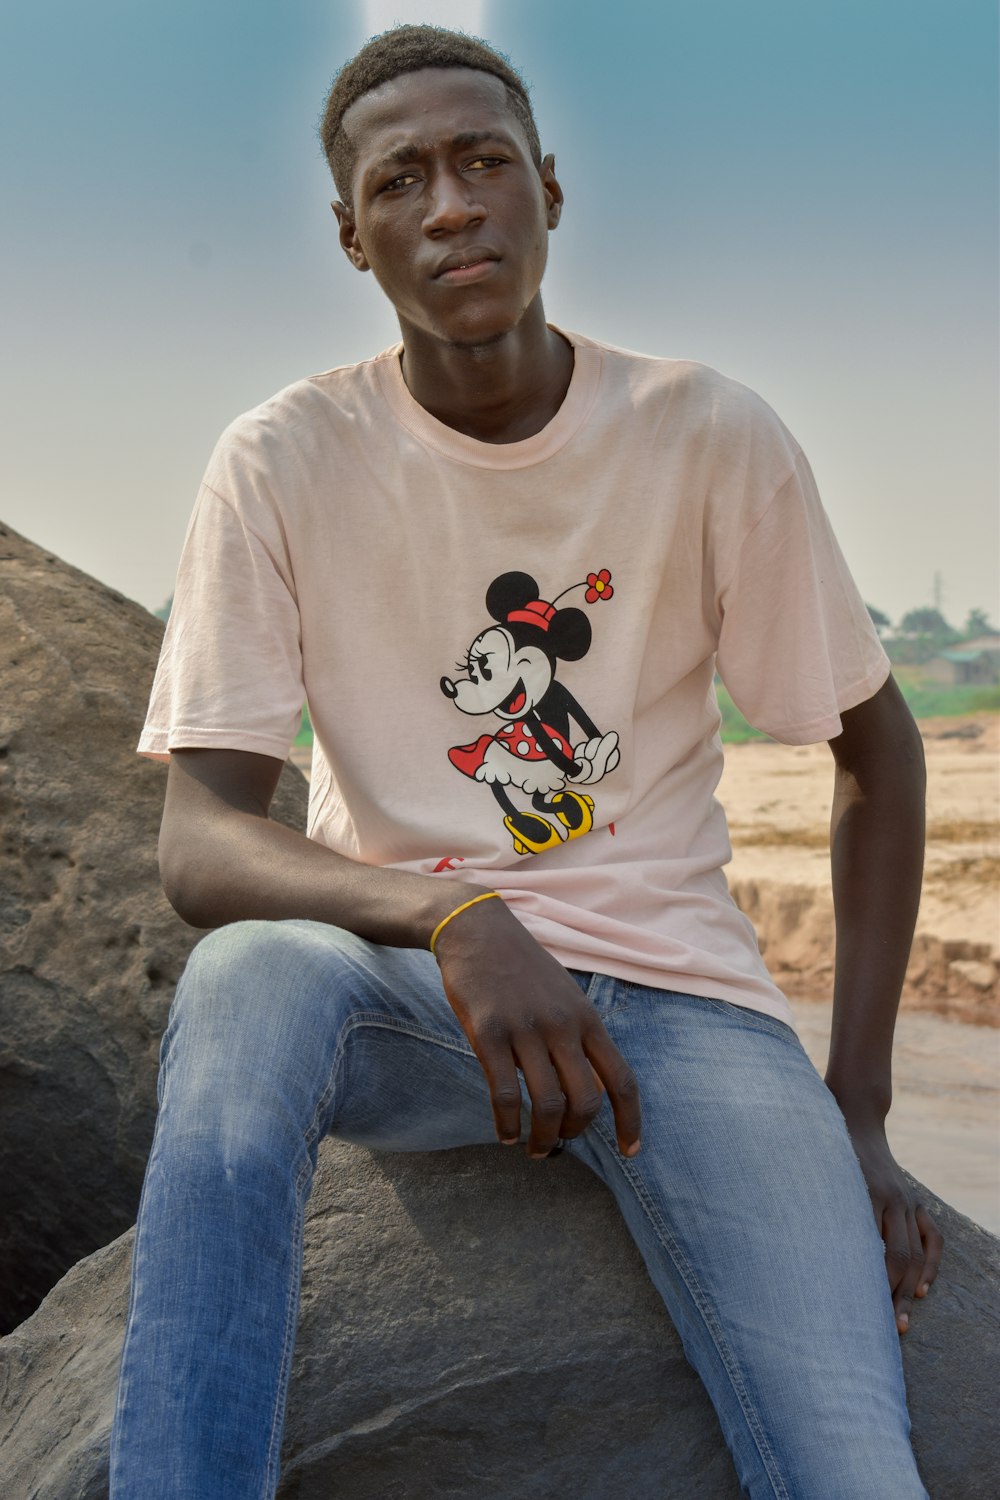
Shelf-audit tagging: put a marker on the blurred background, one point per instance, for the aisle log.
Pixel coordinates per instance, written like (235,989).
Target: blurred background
(804,196)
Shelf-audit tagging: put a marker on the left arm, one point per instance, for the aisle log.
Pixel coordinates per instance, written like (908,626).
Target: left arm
(876,850)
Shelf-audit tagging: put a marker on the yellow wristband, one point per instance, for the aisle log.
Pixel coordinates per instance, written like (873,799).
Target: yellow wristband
(488,896)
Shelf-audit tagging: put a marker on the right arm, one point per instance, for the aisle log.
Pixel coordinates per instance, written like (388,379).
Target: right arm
(222,859)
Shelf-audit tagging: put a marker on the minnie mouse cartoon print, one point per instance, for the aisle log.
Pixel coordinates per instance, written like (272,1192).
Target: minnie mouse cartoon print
(510,672)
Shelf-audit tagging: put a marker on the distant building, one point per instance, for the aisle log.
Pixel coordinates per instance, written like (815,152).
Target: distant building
(970,665)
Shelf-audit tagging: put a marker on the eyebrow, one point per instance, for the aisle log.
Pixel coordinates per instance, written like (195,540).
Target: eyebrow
(401,156)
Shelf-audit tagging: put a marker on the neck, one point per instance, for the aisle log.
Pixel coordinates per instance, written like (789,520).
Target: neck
(500,391)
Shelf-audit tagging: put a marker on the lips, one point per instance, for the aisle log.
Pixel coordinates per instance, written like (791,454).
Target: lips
(470,259)
(515,703)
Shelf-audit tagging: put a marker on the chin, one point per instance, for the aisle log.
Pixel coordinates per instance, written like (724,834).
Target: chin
(485,331)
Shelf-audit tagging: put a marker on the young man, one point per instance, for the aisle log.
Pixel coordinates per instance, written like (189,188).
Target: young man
(513,873)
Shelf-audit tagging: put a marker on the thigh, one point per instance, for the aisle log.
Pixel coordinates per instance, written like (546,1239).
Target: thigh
(750,1210)
(302,1024)
(406,1077)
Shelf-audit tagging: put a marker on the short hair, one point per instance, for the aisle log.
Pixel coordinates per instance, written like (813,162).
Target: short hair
(409,49)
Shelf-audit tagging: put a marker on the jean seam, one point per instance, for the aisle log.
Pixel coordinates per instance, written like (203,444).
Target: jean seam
(377,1020)
(619,1002)
(288,1343)
(316,1128)
(704,1307)
(380,1022)
(138,1240)
(310,1137)
(122,1398)
(753,1020)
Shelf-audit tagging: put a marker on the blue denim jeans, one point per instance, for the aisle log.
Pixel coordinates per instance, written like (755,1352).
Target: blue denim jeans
(746,1202)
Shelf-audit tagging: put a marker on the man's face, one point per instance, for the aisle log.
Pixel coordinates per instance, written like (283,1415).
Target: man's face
(449,212)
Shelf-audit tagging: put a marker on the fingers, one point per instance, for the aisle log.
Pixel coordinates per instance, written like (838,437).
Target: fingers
(565,1086)
(582,1090)
(622,1087)
(932,1242)
(913,1243)
(904,1259)
(567,1114)
(591,757)
(592,750)
(606,754)
(505,1094)
(548,1104)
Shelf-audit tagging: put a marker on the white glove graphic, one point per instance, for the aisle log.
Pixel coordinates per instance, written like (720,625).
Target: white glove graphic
(595,758)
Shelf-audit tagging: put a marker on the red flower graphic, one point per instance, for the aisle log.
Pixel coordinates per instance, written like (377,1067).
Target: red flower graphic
(598,586)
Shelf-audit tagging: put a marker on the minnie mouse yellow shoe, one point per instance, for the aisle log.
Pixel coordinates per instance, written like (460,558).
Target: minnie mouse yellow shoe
(531,834)
(575,810)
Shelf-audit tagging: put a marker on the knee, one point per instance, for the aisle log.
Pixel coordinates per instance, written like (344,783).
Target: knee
(254,1029)
(254,991)
(245,965)
(224,954)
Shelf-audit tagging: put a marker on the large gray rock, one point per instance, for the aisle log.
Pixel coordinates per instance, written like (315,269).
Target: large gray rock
(89,948)
(477,1325)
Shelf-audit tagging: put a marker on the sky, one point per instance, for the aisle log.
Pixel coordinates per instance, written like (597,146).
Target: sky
(802,193)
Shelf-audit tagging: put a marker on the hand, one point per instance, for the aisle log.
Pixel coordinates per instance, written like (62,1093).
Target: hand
(595,758)
(913,1242)
(520,1009)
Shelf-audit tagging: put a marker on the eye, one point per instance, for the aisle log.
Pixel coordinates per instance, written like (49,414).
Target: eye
(402,181)
(485,163)
(483,663)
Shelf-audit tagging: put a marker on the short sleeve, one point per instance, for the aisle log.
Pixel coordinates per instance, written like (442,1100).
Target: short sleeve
(230,668)
(796,645)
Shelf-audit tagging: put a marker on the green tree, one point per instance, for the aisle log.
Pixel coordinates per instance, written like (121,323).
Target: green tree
(879,620)
(978,623)
(929,622)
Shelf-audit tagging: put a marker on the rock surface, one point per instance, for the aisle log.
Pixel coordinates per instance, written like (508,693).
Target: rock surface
(458,1338)
(89,948)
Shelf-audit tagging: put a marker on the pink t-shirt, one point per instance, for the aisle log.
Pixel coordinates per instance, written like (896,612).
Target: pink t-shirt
(508,650)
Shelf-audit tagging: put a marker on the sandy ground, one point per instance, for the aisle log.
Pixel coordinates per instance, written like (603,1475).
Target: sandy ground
(778,802)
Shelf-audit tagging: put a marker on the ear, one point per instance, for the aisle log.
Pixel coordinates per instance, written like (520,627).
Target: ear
(570,634)
(553,192)
(348,235)
(510,591)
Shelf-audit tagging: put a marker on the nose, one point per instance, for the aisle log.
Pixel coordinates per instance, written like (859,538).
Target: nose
(452,205)
(448,688)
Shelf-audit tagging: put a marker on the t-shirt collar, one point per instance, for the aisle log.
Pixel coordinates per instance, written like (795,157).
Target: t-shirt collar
(536,449)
